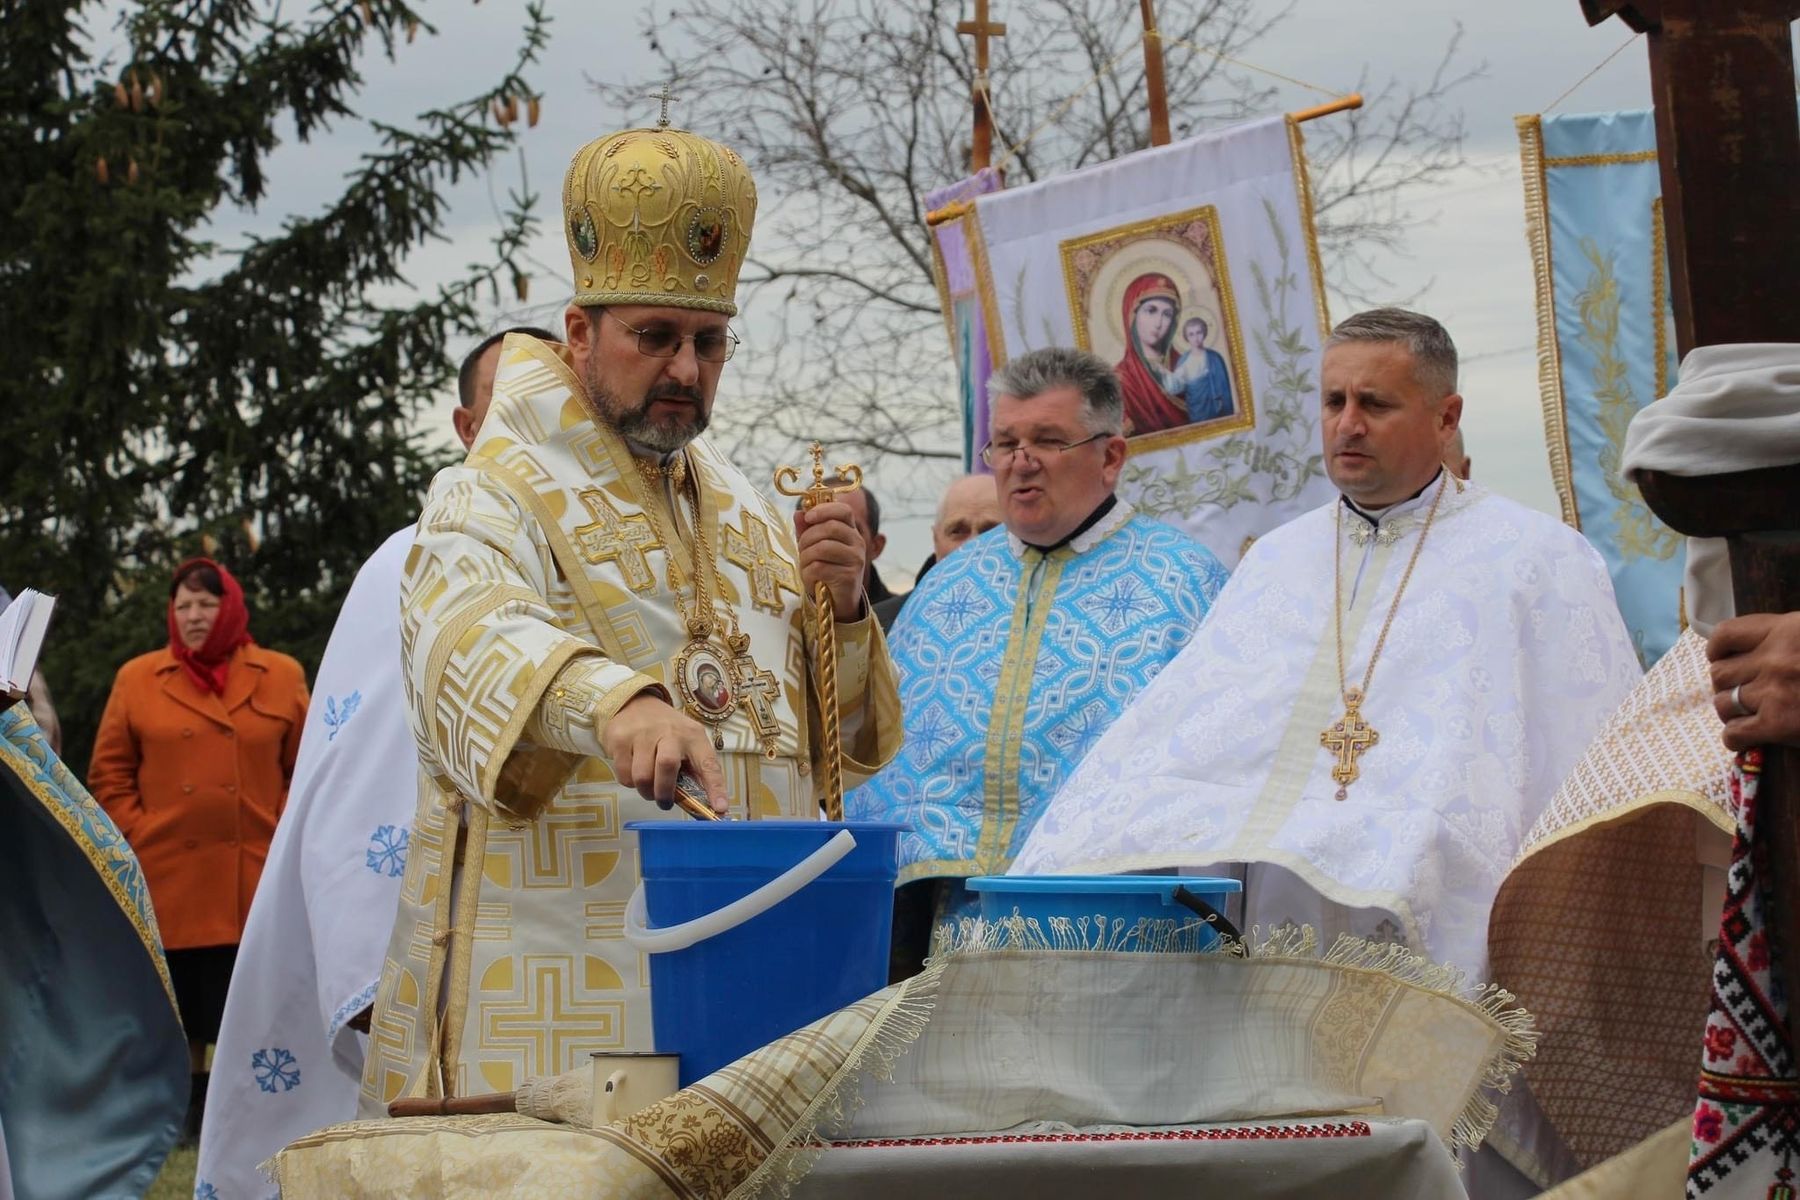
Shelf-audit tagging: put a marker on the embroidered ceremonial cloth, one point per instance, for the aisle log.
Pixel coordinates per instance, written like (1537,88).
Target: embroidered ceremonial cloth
(1616,971)
(1362,1031)
(1012,662)
(538,600)
(1503,659)
(1747,1117)
(287,1063)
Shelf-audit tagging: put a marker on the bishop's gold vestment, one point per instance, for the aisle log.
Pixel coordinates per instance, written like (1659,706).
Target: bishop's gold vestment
(537,601)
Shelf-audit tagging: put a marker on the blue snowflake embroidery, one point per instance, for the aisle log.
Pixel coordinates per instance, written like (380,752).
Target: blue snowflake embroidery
(934,730)
(338,712)
(275,1070)
(387,850)
(205,1191)
(1078,732)
(1115,608)
(956,608)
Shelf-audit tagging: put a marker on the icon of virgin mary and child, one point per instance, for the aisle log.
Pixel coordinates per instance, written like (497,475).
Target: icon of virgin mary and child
(1164,389)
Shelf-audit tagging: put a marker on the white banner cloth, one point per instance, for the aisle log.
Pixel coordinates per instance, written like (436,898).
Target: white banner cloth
(1215,229)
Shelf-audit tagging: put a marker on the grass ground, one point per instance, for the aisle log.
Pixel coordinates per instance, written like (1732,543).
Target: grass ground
(177,1179)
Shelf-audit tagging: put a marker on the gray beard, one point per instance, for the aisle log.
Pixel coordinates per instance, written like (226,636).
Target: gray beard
(636,425)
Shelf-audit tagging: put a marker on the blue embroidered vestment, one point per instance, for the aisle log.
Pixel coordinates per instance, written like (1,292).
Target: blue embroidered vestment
(1012,662)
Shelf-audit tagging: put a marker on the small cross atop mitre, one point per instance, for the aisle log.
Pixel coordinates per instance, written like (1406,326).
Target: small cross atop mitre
(665,97)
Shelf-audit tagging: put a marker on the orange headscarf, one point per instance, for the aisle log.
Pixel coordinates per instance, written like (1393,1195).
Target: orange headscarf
(210,665)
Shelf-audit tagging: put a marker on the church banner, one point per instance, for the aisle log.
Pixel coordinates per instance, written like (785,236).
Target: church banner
(1194,268)
(954,267)
(1606,342)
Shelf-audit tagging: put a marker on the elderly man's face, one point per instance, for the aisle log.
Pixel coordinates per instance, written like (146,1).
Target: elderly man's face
(660,404)
(1045,491)
(971,507)
(1385,434)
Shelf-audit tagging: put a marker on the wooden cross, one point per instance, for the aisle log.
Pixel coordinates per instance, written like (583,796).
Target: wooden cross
(981,29)
(751,549)
(667,99)
(1347,738)
(612,537)
(1728,147)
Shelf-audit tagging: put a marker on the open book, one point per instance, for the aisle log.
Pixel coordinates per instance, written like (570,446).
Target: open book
(22,628)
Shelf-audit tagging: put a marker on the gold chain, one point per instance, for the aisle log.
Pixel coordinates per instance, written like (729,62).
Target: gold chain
(700,622)
(1338,580)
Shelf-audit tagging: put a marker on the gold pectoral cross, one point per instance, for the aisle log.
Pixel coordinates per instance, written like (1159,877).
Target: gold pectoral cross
(849,478)
(1347,738)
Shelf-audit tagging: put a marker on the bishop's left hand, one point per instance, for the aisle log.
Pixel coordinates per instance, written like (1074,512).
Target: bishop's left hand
(1756,679)
(832,553)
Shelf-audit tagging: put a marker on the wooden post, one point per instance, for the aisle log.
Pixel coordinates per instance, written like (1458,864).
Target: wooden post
(1728,146)
(981,151)
(1153,76)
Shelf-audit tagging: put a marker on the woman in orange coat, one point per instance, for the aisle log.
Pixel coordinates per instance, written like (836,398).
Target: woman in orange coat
(192,761)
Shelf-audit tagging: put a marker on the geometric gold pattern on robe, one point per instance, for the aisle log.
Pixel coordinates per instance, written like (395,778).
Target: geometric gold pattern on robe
(615,538)
(751,549)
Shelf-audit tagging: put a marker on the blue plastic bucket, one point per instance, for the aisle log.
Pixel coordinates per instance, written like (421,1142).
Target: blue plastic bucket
(756,928)
(1124,897)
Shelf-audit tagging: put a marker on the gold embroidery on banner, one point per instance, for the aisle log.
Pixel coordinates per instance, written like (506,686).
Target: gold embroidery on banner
(1171,228)
(1601,160)
(1549,350)
(1308,222)
(984,287)
(615,537)
(769,572)
(1640,535)
(1659,298)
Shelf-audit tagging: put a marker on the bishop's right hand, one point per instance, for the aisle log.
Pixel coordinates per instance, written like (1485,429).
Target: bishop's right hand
(648,741)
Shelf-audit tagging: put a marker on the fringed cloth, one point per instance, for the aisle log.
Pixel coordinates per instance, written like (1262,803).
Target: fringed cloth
(1747,1118)
(1002,1029)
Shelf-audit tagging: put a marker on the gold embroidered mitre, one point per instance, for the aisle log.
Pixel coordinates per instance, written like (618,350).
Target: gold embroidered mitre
(658,216)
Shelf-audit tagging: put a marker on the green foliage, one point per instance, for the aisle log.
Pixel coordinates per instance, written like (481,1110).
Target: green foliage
(162,392)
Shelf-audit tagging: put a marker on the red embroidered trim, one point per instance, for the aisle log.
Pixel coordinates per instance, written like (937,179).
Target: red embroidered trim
(1235,1133)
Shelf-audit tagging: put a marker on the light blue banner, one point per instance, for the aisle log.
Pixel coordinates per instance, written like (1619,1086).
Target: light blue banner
(1606,342)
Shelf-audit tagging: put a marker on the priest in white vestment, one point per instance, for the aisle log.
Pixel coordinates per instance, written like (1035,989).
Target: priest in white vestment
(1366,748)
(318,930)
(597,601)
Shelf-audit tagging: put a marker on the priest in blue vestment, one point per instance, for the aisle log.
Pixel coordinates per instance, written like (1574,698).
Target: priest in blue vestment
(1016,652)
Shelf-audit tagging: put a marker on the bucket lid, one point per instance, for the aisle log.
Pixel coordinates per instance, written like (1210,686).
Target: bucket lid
(1088,885)
(680,825)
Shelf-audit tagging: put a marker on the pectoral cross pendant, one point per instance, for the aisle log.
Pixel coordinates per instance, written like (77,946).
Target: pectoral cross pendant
(1347,738)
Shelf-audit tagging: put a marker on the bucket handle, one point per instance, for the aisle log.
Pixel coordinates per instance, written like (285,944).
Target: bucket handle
(679,937)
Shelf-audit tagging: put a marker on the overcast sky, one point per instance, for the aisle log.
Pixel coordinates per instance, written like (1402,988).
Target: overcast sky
(1467,258)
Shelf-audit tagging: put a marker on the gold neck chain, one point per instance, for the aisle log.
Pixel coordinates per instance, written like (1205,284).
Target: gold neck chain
(701,619)
(1349,736)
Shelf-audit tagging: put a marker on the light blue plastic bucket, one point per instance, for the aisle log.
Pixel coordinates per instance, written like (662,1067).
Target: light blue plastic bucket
(1127,898)
(756,928)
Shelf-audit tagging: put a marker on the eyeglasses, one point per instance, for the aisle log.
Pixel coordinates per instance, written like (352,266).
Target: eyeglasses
(995,453)
(659,341)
